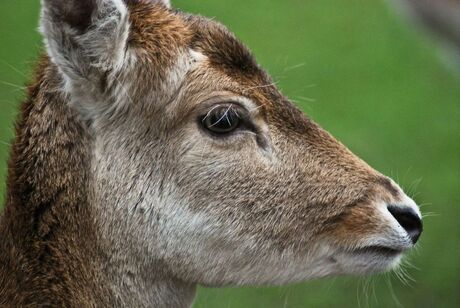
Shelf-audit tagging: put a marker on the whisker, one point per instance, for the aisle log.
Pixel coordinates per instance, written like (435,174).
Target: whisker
(430,214)
(7,144)
(413,187)
(358,295)
(255,109)
(286,296)
(408,263)
(425,204)
(13,104)
(392,291)
(13,85)
(306,99)
(14,69)
(366,290)
(259,87)
(293,67)
(249,133)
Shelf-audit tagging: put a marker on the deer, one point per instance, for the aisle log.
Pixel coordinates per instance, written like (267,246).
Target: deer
(154,155)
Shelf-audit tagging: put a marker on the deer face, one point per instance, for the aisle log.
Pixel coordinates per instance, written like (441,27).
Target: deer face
(202,166)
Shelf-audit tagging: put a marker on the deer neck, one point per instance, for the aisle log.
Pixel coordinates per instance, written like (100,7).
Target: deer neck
(50,223)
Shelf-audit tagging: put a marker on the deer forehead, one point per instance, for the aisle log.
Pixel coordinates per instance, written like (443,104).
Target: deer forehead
(175,50)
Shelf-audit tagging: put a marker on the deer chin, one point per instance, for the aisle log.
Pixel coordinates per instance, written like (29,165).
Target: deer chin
(369,259)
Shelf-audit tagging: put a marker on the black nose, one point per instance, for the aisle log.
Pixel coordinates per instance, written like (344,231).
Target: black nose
(409,220)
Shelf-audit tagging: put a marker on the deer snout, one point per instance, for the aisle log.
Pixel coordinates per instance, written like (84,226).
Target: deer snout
(402,214)
(384,230)
(408,219)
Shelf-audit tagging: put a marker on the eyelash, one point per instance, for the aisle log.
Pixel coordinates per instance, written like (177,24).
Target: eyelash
(223,120)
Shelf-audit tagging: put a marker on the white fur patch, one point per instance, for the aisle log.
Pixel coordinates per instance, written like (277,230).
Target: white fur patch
(197,56)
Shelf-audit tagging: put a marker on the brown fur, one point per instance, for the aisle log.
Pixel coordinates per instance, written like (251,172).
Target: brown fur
(48,248)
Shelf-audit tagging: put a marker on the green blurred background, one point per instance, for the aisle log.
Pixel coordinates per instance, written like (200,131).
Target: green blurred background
(366,76)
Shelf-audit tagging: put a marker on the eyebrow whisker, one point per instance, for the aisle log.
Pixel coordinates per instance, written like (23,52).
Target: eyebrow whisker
(259,87)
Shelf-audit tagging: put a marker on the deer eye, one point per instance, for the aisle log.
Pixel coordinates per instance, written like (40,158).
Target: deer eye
(222,120)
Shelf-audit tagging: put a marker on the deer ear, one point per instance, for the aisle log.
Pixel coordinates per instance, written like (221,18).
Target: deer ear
(87,40)
(85,36)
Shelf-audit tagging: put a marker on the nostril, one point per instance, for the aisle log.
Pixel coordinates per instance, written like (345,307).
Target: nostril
(409,220)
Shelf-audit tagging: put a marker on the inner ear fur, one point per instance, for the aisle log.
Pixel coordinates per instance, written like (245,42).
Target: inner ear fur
(77,14)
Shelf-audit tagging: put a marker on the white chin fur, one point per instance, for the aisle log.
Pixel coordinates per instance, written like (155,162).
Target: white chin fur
(367,262)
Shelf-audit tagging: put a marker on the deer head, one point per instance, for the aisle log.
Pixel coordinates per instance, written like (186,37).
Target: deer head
(201,168)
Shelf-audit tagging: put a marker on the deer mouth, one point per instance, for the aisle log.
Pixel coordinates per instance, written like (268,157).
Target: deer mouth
(369,259)
(379,250)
